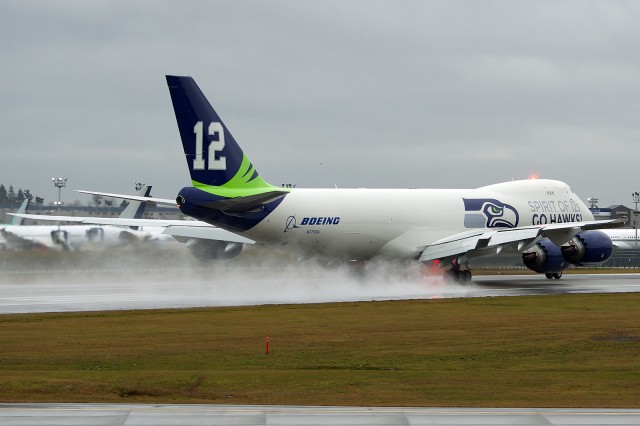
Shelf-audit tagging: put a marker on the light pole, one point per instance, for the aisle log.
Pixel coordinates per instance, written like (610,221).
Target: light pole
(59,183)
(636,200)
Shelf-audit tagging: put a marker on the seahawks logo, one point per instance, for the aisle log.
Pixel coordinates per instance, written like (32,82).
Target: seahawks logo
(489,213)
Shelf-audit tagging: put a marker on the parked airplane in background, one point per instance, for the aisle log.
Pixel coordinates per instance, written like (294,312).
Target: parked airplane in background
(204,241)
(624,239)
(543,220)
(15,220)
(74,237)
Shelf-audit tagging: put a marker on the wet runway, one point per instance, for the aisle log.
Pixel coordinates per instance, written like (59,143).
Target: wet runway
(158,414)
(92,290)
(121,285)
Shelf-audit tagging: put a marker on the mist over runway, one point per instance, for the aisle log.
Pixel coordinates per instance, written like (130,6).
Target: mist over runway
(150,279)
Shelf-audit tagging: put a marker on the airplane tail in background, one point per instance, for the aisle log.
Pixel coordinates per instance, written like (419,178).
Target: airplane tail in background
(216,163)
(135,209)
(16,220)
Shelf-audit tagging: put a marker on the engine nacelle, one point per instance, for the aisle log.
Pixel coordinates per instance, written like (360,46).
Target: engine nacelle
(587,248)
(213,249)
(95,234)
(545,258)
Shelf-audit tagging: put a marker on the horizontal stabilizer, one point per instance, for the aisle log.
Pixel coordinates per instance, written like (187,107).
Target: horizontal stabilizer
(116,221)
(245,204)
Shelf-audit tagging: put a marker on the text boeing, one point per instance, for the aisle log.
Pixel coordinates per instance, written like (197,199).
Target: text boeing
(311,221)
(292,223)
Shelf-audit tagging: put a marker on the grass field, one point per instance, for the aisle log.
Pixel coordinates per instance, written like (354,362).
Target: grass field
(551,351)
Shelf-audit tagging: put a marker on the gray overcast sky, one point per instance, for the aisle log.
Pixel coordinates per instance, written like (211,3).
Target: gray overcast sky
(432,94)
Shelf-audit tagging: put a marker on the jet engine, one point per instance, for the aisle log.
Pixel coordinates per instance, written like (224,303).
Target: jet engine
(545,258)
(213,249)
(95,234)
(587,248)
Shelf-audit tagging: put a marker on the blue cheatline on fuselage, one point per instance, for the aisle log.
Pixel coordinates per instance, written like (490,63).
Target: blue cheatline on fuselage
(202,206)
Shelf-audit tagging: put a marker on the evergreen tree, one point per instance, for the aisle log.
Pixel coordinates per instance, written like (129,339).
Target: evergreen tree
(12,199)
(4,200)
(11,196)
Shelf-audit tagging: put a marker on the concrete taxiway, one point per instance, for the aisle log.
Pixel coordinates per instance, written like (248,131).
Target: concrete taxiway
(141,414)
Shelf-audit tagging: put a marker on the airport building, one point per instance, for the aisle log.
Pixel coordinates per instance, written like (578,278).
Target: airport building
(618,211)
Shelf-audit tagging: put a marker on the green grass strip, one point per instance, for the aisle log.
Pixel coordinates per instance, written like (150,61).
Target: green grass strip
(544,351)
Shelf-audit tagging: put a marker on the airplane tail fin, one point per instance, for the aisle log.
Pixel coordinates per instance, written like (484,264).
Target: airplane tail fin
(135,209)
(15,220)
(216,162)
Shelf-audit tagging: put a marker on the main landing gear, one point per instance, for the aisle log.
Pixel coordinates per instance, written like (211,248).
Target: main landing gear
(556,275)
(457,276)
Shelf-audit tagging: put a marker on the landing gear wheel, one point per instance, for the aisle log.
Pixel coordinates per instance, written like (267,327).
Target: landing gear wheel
(557,275)
(457,276)
(450,276)
(549,276)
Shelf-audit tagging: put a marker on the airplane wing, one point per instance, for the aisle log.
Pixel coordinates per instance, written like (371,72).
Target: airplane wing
(15,241)
(183,233)
(162,201)
(179,229)
(495,240)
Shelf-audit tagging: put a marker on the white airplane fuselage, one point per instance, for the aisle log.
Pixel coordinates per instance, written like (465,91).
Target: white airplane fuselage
(362,223)
(74,237)
(624,239)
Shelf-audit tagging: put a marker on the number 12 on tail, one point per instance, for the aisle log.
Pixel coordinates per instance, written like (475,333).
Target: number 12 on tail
(212,162)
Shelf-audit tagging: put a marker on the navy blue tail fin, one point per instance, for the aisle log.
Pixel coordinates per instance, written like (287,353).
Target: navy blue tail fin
(216,162)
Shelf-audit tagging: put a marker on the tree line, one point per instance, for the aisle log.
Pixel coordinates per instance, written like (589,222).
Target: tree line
(12,198)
